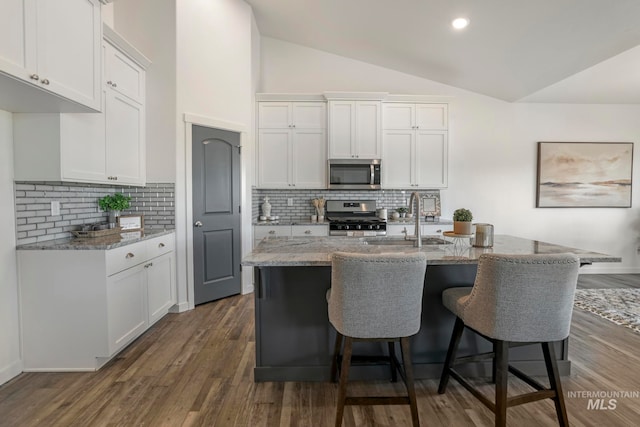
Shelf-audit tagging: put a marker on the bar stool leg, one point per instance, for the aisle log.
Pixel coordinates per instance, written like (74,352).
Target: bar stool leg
(405,346)
(554,382)
(451,354)
(392,361)
(344,376)
(494,362)
(502,375)
(336,355)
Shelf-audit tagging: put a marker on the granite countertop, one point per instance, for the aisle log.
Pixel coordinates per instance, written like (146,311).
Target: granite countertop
(316,251)
(291,221)
(98,243)
(307,221)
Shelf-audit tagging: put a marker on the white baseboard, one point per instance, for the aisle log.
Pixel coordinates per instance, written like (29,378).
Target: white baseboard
(247,288)
(11,371)
(180,307)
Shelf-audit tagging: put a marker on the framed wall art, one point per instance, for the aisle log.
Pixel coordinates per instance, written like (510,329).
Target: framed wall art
(584,174)
(131,222)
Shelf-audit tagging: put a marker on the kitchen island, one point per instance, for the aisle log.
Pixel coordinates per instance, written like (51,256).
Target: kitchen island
(294,338)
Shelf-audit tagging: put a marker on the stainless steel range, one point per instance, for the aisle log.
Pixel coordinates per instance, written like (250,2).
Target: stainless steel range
(354,218)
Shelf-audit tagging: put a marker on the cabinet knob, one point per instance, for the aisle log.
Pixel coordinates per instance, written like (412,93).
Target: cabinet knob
(34,77)
(129,255)
(272,231)
(45,81)
(307,232)
(198,223)
(161,245)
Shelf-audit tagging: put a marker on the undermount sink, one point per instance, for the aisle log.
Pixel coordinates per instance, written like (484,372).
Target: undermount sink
(401,242)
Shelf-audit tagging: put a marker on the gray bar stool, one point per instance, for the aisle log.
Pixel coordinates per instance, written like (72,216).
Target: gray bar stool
(517,299)
(376,297)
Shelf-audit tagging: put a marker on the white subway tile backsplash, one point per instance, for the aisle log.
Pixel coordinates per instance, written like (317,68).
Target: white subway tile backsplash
(79,205)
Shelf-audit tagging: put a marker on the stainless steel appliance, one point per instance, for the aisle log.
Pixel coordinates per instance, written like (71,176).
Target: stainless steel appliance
(354,174)
(354,218)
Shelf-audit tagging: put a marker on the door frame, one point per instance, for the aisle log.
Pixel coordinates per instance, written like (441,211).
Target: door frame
(184,229)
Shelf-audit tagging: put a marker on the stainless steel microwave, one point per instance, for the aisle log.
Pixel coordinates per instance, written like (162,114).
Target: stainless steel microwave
(354,174)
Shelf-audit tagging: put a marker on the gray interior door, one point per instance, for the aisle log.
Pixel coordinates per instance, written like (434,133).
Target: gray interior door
(216,213)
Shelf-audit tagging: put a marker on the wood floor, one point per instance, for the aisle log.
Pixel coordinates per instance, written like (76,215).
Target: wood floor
(195,369)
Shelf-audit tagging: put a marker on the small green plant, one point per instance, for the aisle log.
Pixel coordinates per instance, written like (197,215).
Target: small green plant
(462,214)
(115,202)
(402,210)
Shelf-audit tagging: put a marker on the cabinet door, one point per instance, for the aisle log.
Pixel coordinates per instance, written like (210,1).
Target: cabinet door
(126,307)
(83,147)
(274,158)
(368,130)
(68,37)
(124,121)
(431,159)
(434,229)
(399,229)
(15,19)
(160,286)
(123,75)
(309,158)
(398,116)
(274,115)
(309,115)
(431,116)
(398,159)
(342,129)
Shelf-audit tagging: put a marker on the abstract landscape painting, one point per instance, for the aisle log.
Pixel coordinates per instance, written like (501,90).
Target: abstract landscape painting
(584,174)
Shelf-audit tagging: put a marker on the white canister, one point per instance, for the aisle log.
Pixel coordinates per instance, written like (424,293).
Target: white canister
(382,213)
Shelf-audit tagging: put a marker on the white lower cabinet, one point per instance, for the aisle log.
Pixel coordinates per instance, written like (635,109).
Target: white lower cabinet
(410,227)
(79,308)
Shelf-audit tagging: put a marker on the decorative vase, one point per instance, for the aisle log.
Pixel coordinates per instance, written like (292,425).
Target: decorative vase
(395,215)
(266,207)
(113,216)
(462,227)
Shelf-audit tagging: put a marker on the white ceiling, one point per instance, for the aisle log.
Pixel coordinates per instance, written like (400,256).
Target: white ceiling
(530,50)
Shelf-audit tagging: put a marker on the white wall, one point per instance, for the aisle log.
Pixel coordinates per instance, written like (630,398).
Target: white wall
(10,361)
(492,154)
(150,26)
(214,82)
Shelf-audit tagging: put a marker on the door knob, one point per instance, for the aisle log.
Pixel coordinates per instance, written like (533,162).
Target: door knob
(198,224)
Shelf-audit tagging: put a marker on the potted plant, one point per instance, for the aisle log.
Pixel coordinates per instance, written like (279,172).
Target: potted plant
(113,204)
(402,211)
(462,221)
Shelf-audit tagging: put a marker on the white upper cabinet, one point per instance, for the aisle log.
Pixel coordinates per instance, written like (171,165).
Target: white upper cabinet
(299,115)
(53,47)
(107,147)
(355,129)
(292,145)
(415,145)
(416,116)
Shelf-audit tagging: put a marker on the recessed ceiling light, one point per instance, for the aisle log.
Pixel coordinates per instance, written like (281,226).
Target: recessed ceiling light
(460,23)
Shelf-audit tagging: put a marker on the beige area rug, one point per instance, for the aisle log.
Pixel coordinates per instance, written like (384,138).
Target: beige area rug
(620,306)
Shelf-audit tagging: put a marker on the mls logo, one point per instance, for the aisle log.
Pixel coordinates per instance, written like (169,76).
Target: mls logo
(601,404)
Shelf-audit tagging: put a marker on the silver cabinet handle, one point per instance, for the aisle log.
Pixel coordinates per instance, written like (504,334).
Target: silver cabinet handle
(110,83)
(129,255)
(272,232)
(307,232)
(34,77)
(148,265)
(45,81)
(198,223)
(161,245)
(114,85)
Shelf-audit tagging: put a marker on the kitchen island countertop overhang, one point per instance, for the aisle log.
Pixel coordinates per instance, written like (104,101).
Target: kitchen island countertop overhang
(316,251)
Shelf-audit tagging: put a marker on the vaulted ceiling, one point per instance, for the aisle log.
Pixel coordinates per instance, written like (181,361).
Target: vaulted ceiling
(584,51)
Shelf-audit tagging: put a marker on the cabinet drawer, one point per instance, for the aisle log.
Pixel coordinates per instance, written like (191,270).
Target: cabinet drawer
(435,229)
(160,245)
(309,230)
(262,231)
(120,259)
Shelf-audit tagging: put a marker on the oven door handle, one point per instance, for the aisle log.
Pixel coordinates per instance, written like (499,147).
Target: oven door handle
(372,179)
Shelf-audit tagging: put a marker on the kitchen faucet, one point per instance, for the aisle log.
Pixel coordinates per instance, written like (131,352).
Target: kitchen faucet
(418,236)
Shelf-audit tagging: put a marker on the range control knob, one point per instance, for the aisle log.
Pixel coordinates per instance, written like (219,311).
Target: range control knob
(358,227)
